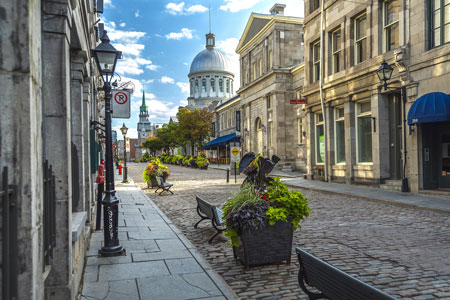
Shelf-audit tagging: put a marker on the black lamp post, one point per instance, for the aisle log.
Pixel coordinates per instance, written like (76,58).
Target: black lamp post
(124,130)
(384,73)
(106,57)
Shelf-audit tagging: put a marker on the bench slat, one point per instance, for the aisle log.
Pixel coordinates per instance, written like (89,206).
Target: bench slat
(335,283)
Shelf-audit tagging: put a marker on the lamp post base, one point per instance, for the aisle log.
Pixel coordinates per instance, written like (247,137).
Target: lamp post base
(112,251)
(125,175)
(405,187)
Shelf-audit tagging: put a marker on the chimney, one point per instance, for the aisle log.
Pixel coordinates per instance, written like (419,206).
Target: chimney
(278,9)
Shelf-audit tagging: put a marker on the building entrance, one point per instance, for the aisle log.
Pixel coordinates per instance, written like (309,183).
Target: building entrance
(395,136)
(436,155)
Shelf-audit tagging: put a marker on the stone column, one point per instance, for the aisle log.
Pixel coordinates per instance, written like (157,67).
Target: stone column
(350,140)
(20,134)
(57,139)
(77,131)
(310,143)
(88,183)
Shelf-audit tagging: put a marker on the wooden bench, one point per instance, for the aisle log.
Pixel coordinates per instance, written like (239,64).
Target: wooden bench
(332,282)
(207,211)
(164,186)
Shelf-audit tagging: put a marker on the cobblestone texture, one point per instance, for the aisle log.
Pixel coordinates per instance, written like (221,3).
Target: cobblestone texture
(402,251)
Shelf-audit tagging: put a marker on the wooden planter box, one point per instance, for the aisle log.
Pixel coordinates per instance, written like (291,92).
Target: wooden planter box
(269,245)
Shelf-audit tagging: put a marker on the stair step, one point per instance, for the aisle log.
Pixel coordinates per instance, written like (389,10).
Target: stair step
(391,187)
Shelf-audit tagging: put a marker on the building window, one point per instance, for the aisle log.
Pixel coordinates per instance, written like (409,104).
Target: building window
(203,85)
(220,85)
(300,131)
(390,25)
(336,48)
(316,61)
(440,22)
(320,139)
(270,59)
(269,101)
(260,66)
(364,132)
(254,71)
(315,4)
(246,77)
(360,38)
(196,86)
(339,134)
(213,85)
(270,134)
(228,86)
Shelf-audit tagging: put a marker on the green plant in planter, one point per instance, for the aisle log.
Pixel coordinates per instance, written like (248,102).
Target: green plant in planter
(202,161)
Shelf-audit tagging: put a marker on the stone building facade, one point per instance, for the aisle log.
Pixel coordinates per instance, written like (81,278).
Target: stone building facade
(358,136)
(270,48)
(49,99)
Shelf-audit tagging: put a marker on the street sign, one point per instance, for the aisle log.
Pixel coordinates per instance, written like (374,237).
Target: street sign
(298,101)
(235,154)
(121,104)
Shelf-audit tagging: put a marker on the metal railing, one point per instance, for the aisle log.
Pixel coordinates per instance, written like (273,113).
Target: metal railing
(49,213)
(8,196)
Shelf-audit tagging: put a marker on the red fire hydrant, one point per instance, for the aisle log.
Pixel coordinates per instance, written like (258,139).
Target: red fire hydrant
(120,169)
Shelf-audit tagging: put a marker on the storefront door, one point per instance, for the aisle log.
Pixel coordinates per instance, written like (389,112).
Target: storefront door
(436,155)
(395,136)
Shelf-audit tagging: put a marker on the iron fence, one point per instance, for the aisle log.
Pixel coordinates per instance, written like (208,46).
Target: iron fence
(8,196)
(49,213)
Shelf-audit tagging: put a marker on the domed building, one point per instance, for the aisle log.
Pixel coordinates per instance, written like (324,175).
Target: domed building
(210,76)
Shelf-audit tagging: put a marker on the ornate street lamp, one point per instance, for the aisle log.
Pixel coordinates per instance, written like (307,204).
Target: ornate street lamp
(124,130)
(106,57)
(384,73)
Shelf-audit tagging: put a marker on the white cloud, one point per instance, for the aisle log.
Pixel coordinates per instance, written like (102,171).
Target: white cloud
(237,5)
(180,9)
(123,24)
(228,46)
(137,14)
(166,79)
(185,63)
(184,102)
(185,33)
(129,43)
(108,3)
(184,86)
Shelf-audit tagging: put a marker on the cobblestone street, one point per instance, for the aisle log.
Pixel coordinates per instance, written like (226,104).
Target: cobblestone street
(402,251)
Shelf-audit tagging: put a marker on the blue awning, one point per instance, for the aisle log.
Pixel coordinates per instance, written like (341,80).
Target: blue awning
(222,141)
(432,107)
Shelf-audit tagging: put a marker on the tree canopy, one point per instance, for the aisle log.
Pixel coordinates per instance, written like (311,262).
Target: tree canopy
(194,126)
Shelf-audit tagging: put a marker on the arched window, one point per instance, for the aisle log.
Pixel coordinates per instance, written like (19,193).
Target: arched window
(213,85)
(220,85)
(196,86)
(258,124)
(192,87)
(203,85)
(228,85)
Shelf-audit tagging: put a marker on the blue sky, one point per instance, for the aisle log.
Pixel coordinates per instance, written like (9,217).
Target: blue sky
(160,38)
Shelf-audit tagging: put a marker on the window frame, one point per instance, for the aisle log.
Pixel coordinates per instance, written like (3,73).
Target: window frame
(336,53)
(260,67)
(443,27)
(270,59)
(357,116)
(220,85)
(204,88)
(388,27)
(212,87)
(361,40)
(300,140)
(317,123)
(316,63)
(337,119)
(270,134)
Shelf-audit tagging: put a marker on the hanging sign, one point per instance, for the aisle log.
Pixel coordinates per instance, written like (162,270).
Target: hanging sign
(298,101)
(120,103)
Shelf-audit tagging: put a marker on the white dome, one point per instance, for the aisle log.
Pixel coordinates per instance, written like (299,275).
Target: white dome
(210,59)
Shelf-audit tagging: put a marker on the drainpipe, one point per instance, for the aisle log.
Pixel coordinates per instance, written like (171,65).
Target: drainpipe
(405,187)
(322,101)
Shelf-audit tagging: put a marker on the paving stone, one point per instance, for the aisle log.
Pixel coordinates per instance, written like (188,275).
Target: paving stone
(160,255)
(132,270)
(95,260)
(111,290)
(186,286)
(183,266)
(151,235)
(170,245)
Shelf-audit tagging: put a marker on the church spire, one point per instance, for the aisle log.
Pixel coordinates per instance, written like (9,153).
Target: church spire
(143,105)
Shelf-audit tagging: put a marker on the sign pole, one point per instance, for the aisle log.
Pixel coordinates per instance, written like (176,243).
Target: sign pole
(235,171)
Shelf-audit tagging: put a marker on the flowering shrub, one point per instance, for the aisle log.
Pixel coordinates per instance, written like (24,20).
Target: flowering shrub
(155,168)
(202,161)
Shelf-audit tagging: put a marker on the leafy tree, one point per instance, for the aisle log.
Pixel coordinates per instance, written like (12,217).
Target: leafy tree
(194,126)
(168,136)
(153,144)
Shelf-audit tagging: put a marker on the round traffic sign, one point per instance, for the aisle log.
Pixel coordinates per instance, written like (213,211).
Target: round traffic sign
(121,98)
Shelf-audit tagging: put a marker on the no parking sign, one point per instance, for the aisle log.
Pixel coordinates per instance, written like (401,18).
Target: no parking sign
(121,104)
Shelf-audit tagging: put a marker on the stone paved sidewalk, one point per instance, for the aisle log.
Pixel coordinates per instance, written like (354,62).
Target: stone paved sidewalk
(159,263)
